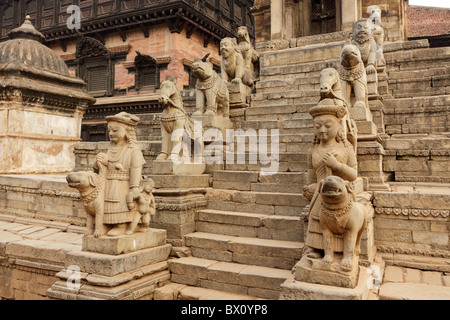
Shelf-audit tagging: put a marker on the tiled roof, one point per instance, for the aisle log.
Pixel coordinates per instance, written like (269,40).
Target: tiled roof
(427,21)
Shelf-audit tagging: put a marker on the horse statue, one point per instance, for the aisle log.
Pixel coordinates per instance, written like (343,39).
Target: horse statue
(174,119)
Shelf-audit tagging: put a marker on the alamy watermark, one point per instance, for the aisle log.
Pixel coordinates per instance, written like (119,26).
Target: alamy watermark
(232,150)
(74,21)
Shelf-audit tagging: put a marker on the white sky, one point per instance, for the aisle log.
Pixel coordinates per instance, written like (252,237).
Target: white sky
(430,3)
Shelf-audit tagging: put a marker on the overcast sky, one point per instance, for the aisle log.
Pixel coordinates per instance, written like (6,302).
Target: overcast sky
(430,3)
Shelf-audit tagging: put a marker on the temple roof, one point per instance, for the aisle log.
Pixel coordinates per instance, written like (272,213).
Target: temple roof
(427,21)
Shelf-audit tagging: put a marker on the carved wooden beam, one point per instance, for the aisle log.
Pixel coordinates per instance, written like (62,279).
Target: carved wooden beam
(190,30)
(122,34)
(144,29)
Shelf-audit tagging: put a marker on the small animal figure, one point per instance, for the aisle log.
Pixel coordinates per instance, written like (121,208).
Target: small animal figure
(341,214)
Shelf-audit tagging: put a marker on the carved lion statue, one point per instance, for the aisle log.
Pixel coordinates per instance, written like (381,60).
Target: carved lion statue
(353,76)
(341,214)
(233,64)
(212,96)
(251,57)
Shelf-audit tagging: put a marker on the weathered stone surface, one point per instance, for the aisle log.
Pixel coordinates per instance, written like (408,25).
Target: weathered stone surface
(126,243)
(413,291)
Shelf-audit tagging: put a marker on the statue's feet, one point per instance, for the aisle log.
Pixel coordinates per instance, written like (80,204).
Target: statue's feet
(117,231)
(162,156)
(197,113)
(359,104)
(346,265)
(313,254)
(328,259)
(142,229)
(209,113)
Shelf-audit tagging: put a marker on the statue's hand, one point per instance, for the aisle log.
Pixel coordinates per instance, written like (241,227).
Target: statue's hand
(331,162)
(370,69)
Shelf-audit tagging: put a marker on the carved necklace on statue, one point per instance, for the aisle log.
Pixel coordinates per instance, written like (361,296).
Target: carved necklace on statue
(351,74)
(337,213)
(244,46)
(115,153)
(207,84)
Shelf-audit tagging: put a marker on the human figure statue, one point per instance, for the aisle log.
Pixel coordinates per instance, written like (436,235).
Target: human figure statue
(330,155)
(146,206)
(378,32)
(123,162)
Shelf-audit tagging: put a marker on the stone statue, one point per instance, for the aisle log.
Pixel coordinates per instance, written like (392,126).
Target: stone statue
(378,32)
(123,164)
(91,187)
(251,57)
(212,96)
(174,117)
(341,214)
(353,76)
(331,88)
(146,205)
(331,155)
(362,37)
(233,65)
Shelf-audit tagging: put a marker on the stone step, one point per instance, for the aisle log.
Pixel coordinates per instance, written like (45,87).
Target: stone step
(252,251)
(278,112)
(252,224)
(262,282)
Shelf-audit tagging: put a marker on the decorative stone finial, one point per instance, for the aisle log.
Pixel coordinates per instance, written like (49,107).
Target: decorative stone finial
(27,31)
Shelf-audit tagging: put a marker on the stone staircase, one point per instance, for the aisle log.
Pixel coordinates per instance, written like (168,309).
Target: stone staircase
(250,235)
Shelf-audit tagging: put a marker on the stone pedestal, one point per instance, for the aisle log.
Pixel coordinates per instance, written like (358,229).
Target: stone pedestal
(126,243)
(293,289)
(316,271)
(114,268)
(239,95)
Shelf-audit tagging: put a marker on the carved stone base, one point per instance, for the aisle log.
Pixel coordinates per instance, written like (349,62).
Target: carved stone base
(95,276)
(167,167)
(126,243)
(314,270)
(239,95)
(292,289)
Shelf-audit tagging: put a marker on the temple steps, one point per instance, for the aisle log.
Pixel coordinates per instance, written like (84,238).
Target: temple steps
(251,280)
(250,224)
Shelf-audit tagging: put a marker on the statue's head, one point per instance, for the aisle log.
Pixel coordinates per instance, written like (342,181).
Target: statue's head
(147,185)
(350,56)
(362,30)
(242,34)
(202,69)
(335,190)
(228,46)
(327,121)
(121,128)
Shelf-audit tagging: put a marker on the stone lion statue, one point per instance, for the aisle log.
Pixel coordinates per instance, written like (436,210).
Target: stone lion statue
(341,214)
(212,96)
(251,57)
(353,76)
(233,64)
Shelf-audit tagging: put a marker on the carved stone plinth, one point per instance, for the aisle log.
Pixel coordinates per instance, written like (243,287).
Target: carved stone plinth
(316,271)
(128,276)
(218,122)
(126,243)
(239,95)
(293,289)
(167,167)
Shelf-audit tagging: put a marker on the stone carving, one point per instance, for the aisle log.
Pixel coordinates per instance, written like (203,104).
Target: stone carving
(378,32)
(353,76)
(363,38)
(123,163)
(331,154)
(145,205)
(341,214)
(238,78)
(251,57)
(91,188)
(212,96)
(174,117)
(233,64)
(331,88)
